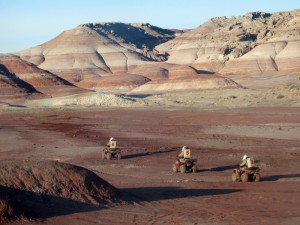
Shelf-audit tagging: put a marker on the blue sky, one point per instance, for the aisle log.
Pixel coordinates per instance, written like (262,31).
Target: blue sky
(27,23)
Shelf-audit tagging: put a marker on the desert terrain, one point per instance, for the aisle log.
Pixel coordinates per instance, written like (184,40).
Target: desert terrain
(227,88)
(150,193)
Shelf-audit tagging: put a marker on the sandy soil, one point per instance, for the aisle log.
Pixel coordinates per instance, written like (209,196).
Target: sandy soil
(150,140)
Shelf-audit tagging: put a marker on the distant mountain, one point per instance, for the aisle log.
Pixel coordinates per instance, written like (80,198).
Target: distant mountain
(119,56)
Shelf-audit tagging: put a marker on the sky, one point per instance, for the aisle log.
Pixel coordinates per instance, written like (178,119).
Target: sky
(27,23)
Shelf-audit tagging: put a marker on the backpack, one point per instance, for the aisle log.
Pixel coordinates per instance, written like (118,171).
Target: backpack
(250,162)
(113,144)
(187,153)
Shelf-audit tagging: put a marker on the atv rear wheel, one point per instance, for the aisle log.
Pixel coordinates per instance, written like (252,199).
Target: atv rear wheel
(245,177)
(194,169)
(257,177)
(182,169)
(174,168)
(108,155)
(235,177)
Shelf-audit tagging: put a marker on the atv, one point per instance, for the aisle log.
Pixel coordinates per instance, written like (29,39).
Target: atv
(188,166)
(246,174)
(109,153)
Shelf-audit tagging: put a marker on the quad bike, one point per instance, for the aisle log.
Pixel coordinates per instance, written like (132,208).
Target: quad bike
(246,174)
(188,166)
(109,153)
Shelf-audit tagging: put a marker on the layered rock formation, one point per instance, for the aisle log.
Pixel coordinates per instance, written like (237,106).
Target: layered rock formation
(254,43)
(89,53)
(21,76)
(12,86)
(118,56)
(109,56)
(203,82)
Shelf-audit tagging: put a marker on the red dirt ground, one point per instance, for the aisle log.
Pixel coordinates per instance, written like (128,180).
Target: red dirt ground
(150,140)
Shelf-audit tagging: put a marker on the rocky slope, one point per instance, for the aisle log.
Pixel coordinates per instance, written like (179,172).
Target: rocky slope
(42,189)
(20,76)
(88,54)
(254,43)
(109,56)
(12,86)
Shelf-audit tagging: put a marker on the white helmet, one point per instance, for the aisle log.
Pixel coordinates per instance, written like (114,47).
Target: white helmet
(245,157)
(184,148)
(112,138)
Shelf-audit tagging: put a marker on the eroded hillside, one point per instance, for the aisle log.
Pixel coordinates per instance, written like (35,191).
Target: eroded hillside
(254,43)
(140,58)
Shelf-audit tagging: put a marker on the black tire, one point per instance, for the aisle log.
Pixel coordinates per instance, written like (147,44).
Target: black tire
(257,177)
(174,168)
(108,155)
(245,177)
(235,177)
(182,169)
(119,156)
(194,169)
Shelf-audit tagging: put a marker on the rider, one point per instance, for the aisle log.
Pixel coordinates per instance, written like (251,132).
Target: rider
(184,154)
(245,163)
(112,143)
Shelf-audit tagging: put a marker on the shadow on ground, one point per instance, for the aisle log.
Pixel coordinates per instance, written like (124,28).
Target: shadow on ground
(204,72)
(138,95)
(165,193)
(282,176)
(223,168)
(147,153)
(38,206)
(220,168)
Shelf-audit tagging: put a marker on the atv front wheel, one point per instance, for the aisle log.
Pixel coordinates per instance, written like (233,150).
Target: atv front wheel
(257,177)
(235,177)
(174,168)
(245,177)
(182,169)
